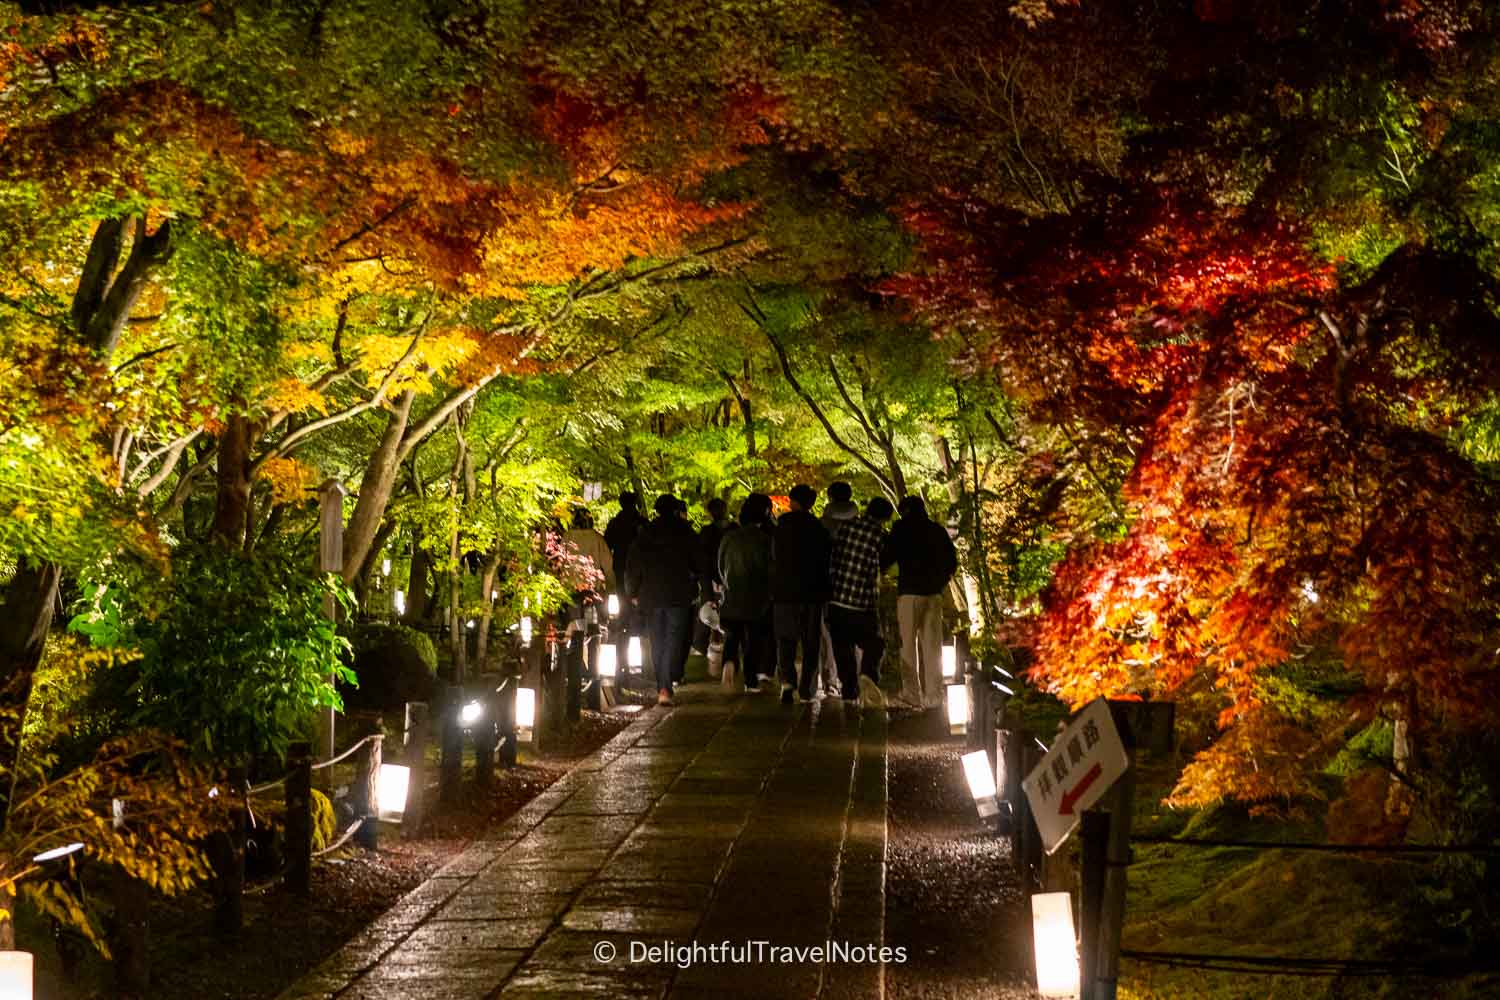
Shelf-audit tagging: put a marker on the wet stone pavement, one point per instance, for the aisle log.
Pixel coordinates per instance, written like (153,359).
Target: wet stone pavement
(728,818)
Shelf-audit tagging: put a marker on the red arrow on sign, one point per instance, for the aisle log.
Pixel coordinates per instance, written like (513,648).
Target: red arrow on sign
(1065,807)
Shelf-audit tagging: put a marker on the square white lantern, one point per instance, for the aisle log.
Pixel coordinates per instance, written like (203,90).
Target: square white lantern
(398,601)
(950,661)
(1056,944)
(385,567)
(608,661)
(390,791)
(633,657)
(471,712)
(981,782)
(612,605)
(525,714)
(958,709)
(15,975)
(526,630)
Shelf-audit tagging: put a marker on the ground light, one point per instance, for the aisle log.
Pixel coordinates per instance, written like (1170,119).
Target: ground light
(526,630)
(633,658)
(608,661)
(612,605)
(981,782)
(398,601)
(958,709)
(15,975)
(58,852)
(525,714)
(390,790)
(950,661)
(470,713)
(1056,944)
(385,567)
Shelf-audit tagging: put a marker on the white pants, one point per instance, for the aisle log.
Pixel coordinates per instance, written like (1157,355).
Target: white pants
(920,617)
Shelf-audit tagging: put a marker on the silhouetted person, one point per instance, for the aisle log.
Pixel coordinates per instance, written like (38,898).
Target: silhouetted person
(661,579)
(744,564)
(854,573)
(799,586)
(620,533)
(926,561)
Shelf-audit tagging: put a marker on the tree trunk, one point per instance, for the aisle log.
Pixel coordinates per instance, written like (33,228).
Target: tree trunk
(953,480)
(457,634)
(375,488)
(486,589)
(232,499)
(416,581)
(25,620)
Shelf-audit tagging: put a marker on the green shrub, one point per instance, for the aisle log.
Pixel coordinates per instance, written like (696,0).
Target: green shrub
(324,825)
(395,664)
(236,652)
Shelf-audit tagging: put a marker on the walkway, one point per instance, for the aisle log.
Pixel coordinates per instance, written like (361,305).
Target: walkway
(726,819)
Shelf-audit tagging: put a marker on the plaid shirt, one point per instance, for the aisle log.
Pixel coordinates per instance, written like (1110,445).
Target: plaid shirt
(856,564)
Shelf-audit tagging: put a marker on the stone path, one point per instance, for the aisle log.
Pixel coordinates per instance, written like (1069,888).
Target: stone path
(728,819)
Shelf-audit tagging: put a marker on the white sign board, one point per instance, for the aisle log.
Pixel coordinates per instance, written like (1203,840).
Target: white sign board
(1086,759)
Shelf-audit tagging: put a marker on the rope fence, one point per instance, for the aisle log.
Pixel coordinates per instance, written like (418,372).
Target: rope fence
(1265,845)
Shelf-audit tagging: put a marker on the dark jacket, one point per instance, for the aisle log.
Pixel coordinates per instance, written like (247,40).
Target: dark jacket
(662,568)
(709,538)
(619,535)
(923,553)
(800,551)
(745,567)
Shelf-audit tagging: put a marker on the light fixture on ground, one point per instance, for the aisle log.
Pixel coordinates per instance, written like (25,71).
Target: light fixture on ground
(525,713)
(15,975)
(612,605)
(950,661)
(1056,944)
(398,601)
(526,631)
(470,713)
(608,661)
(385,567)
(958,709)
(981,781)
(58,852)
(390,790)
(633,657)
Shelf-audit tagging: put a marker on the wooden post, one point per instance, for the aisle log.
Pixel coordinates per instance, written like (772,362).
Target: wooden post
(485,731)
(330,560)
(506,720)
(551,695)
(593,693)
(1095,835)
(1031,838)
(451,728)
(128,940)
(1121,801)
(418,734)
(575,647)
(299,827)
(227,852)
(366,790)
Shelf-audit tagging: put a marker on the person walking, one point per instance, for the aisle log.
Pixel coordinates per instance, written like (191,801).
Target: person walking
(799,586)
(592,546)
(837,512)
(744,566)
(925,560)
(709,537)
(620,533)
(840,509)
(661,580)
(854,573)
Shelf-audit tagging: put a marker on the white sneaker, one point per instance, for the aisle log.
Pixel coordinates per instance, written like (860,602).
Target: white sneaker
(870,693)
